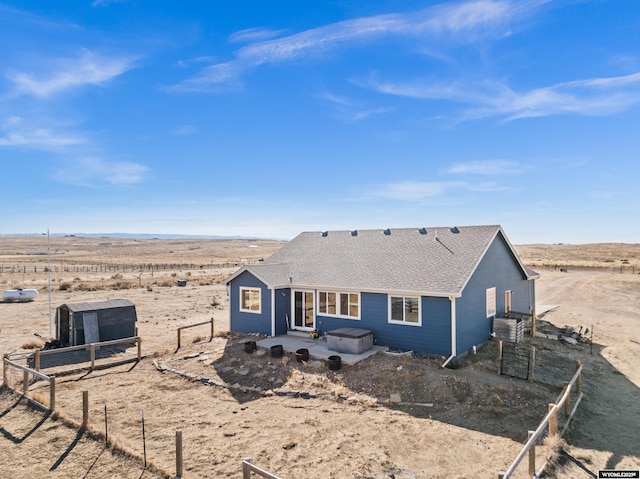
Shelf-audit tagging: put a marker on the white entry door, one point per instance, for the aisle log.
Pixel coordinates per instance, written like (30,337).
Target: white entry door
(303,310)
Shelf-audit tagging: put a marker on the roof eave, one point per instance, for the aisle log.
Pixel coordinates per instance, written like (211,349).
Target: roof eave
(405,292)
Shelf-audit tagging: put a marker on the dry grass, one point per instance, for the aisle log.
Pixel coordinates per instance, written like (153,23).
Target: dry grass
(598,255)
(40,398)
(553,447)
(32,344)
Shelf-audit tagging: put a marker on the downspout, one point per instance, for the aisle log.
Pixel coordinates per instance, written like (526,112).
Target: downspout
(273,312)
(532,305)
(453,331)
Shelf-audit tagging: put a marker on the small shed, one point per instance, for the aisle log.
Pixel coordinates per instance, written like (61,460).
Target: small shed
(84,323)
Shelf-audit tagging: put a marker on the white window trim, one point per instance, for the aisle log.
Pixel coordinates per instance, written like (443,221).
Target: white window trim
(403,296)
(491,302)
(244,310)
(342,316)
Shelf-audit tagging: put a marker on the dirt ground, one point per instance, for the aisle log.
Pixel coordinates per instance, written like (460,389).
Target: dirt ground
(301,419)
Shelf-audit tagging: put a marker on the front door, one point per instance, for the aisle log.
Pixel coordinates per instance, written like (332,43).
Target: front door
(303,310)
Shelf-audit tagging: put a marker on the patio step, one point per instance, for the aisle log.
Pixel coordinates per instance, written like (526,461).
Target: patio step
(298,334)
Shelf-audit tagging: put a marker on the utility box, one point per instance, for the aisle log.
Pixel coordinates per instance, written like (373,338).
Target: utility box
(509,329)
(350,340)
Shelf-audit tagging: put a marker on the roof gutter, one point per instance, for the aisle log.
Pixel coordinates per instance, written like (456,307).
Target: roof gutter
(453,331)
(344,289)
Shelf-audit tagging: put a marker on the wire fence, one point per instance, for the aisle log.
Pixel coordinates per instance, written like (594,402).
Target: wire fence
(554,425)
(115,267)
(566,268)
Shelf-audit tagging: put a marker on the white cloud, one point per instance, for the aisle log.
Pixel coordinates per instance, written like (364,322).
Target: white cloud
(122,173)
(462,21)
(338,100)
(350,110)
(195,60)
(90,171)
(70,73)
(254,35)
(412,190)
(104,3)
(17,133)
(596,96)
(363,114)
(213,78)
(487,167)
(184,130)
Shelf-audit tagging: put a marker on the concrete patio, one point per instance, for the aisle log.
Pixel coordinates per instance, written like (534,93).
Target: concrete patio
(317,347)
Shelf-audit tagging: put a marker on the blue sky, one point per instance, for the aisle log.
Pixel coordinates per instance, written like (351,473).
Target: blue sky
(270,118)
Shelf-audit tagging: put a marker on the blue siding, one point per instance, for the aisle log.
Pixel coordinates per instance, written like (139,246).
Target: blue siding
(243,322)
(283,307)
(434,336)
(499,269)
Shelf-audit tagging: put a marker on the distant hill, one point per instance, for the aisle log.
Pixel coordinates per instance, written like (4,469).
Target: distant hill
(144,236)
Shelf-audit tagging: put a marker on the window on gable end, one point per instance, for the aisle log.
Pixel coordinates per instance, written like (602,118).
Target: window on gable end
(250,300)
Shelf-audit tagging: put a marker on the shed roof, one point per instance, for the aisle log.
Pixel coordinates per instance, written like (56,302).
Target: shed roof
(435,261)
(97,305)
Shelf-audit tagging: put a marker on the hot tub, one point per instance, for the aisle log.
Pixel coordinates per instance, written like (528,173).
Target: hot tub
(350,340)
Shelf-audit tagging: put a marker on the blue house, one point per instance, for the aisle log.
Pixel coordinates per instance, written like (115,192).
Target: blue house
(432,290)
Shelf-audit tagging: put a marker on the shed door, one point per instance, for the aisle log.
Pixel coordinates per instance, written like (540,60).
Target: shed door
(90,324)
(63,326)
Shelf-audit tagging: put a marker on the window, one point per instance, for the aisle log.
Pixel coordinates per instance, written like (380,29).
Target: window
(346,305)
(250,300)
(405,310)
(491,302)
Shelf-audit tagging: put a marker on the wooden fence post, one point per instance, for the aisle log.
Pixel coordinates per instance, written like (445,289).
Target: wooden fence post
(178,454)
(139,348)
(85,409)
(52,393)
(553,421)
(532,364)
(211,329)
(92,347)
(532,456)
(579,379)
(179,337)
(567,404)
(246,470)
(37,360)
(25,382)
(500,357)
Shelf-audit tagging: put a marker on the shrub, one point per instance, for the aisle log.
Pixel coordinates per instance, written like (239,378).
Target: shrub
(121,285)
(33,344)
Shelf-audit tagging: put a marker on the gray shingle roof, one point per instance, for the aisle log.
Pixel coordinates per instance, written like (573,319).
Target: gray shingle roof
(96,305)
(437,261)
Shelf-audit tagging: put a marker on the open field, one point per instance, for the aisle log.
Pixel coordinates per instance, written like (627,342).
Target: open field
(345,427)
